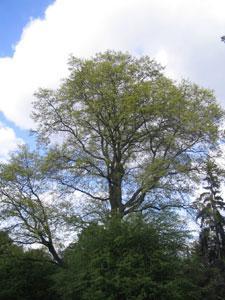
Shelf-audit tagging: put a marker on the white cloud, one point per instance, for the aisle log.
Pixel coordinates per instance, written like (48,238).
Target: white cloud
(8,142)
(184,35)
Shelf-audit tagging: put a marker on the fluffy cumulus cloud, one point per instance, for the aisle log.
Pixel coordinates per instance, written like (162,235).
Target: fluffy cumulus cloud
(8,142)
(184,35)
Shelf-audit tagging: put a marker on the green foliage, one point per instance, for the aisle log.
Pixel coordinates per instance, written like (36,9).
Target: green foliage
(24,275)
(129,259)
(206,281)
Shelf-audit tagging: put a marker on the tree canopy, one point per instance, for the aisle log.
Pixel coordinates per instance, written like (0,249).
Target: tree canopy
(127,135)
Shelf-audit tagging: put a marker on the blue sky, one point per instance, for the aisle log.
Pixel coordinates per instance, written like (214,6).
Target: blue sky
(37,36)
(14,15)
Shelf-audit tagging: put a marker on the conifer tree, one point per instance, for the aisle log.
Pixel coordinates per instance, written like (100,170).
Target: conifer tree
(210,211)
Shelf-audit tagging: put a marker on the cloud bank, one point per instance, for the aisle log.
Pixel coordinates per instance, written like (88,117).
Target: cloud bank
(8,142)
(184,35)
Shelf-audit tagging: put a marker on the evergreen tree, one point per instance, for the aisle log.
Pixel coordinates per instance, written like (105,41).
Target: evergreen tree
(210,211)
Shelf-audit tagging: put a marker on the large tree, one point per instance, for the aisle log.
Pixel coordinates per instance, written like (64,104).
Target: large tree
(127,135)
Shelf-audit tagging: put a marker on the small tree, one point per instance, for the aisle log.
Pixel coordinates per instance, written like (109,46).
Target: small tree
(26,195)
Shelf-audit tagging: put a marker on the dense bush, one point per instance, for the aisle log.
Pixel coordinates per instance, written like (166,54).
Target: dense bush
(24,275)
(131,259)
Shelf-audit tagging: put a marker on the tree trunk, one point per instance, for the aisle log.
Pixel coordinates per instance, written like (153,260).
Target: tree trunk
(115,189)
(52,250)
(55,255)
